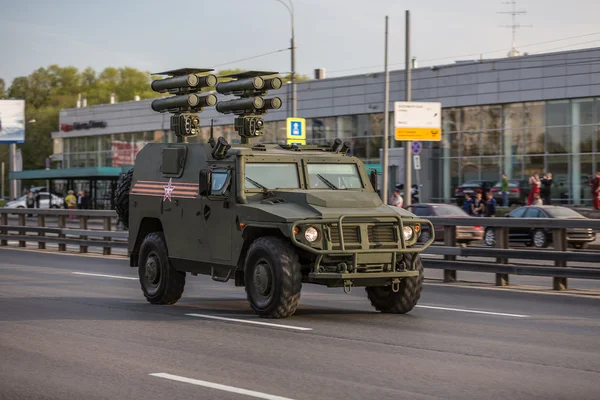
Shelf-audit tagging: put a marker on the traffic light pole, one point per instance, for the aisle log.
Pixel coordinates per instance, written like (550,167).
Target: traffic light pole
(407,145)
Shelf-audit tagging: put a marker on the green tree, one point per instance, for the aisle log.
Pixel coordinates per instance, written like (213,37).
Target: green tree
(2,89)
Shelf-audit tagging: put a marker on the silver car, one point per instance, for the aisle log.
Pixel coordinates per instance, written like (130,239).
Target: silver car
(21,202)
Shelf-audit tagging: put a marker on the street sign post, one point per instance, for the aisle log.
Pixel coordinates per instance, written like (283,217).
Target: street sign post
(416,147)
(417,162)
(418,121)
(296,131)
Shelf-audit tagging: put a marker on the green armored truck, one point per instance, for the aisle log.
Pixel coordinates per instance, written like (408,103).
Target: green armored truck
(270,217)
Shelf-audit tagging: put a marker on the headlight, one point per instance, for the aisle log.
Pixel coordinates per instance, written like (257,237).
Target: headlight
(407,232)
(311,234)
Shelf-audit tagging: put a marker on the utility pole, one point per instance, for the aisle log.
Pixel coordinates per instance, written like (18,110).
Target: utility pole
(407,145)
(386,129)
(513,50)
(290,8)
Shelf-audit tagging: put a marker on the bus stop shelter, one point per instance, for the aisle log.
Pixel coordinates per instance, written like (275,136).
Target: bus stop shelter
(100,182)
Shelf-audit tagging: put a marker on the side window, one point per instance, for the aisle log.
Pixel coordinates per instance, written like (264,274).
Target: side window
(532,213)
(419,211)
(220,182)
(518,213)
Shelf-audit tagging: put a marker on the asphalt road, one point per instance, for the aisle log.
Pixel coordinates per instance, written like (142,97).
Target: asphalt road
(65,335)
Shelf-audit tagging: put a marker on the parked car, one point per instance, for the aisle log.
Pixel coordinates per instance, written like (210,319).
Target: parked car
(471,188)
(518,190)
(21,202)
(541,238)
(464,234)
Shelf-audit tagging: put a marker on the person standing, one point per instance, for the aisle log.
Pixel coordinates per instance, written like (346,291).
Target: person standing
(546,190)
(596,191)
(537,200)
(534,181)
(504,190)
(490,209)
(71,202)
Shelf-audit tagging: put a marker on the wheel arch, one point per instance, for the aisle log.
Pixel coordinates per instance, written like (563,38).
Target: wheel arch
(147,225)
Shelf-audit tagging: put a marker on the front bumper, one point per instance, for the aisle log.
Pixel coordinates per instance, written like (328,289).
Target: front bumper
(363,250)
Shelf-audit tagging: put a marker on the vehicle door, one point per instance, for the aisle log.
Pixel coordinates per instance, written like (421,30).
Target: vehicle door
(218,214)
(532,212)
(516,234)
(44,200)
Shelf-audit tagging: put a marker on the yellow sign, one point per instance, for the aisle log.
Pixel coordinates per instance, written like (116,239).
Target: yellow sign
(300,142)
(424,134)
(296,128)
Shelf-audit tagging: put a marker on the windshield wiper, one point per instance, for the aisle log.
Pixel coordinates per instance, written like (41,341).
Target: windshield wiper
(258,185)
(327,182)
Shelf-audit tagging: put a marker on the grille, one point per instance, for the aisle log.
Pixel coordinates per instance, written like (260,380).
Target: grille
(381,234)
(351,236)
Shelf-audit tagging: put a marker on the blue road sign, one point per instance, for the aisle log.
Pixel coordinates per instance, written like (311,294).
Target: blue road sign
(296,129)
(416,148)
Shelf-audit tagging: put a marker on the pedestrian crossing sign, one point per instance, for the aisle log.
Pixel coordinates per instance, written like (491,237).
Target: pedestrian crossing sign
(296,131)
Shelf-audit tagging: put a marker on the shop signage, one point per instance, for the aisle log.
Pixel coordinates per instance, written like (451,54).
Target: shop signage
(76,126)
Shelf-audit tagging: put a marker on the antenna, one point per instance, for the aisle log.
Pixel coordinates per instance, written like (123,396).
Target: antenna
(211,139)
(513,50)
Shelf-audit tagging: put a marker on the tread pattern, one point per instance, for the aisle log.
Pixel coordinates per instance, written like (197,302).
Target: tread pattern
(286,260)
(122,197)
(383,299)
(173,281)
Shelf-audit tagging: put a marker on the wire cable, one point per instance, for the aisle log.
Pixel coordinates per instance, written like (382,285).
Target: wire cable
(251,58)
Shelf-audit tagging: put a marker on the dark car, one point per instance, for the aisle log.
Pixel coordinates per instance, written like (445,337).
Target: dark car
(464,234)
(518,190)
(538,237)
(471,188)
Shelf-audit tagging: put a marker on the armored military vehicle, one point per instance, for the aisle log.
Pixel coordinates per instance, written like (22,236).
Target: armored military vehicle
(271,217)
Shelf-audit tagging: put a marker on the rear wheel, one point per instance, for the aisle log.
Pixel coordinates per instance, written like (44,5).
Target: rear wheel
(272,277)
(161,283)
(539,238)
(580,246)
(385,300)
(122,197)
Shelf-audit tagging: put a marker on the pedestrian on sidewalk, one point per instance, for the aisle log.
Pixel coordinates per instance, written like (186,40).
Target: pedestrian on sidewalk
(504,189)
(468,204)
(535,183)
(71,203)
(547,188)
(478,206)
(596,191)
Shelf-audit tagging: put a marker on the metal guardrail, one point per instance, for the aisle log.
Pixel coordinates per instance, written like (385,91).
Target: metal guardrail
(498,256)
(501,253)
(61,233)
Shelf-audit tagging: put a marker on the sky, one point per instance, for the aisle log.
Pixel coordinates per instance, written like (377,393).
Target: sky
(345,37)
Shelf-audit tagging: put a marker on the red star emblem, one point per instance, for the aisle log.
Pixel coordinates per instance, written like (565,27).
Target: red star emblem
(168,190)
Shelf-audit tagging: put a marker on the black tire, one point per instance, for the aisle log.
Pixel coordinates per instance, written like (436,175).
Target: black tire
(539,238)
(384,299)
(122,197)
(273,278)
(489,237)
(161,283)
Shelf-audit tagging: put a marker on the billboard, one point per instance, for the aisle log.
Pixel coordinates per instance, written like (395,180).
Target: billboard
(12,121)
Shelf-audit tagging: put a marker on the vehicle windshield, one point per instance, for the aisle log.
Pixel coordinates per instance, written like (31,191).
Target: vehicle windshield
(334,176)
(449,211)
(272,176)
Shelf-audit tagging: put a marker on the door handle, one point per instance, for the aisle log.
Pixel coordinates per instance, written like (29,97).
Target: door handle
(206,212)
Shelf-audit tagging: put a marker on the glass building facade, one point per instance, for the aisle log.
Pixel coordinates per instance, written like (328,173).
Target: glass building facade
(479,143)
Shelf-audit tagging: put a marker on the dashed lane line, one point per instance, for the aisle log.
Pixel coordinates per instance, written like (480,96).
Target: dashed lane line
(106,276)
(248,321)
(473,311)
(218,386)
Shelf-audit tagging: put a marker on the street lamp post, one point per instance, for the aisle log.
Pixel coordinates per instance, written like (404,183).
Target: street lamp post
(290,8)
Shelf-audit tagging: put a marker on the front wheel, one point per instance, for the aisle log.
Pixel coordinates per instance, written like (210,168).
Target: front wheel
(489,237)
(539,238)
(385,300)
(161,283)
(272,277)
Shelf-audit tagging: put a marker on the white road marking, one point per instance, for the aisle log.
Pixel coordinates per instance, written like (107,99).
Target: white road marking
(106,276)
(247,321)
(474,311)
(218,386)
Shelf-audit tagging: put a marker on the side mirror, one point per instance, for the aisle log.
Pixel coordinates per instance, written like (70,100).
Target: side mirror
(373,179)
(204,182)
